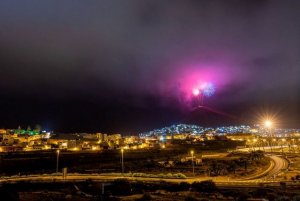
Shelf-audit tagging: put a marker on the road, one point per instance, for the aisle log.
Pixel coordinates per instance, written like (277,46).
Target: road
(278,164)
(281,165)
(266,149)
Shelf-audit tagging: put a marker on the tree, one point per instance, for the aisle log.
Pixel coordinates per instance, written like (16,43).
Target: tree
(138,186)
(256,155)
(121,187)
(8,193)
(283,185)
(205,186)
(232,166)
(38,128)
(190,198)
(184,186)
(243,196)
(217,168)
(145,197)
(296,198)
(282,198)
(244,160)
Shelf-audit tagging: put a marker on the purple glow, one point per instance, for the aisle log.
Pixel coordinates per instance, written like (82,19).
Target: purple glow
(208,89)
(186,79)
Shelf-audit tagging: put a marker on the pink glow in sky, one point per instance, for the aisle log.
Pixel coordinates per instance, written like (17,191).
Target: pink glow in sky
(189,79)
(196,92)
(198,79)
(192,81)
(218,69)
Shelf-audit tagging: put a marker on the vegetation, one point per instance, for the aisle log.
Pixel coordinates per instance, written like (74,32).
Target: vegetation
(205,186)
(122,188)
(240,162)
(145,197)
(161,175)
(105,161)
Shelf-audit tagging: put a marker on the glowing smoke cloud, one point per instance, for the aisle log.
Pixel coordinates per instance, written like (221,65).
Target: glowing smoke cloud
(191,85)
(208,89)
(204,90)
(196,92)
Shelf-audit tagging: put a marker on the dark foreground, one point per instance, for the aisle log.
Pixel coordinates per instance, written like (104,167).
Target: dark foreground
(122,189)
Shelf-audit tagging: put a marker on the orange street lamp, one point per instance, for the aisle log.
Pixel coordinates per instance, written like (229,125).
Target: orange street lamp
(192,153)
(57,158)
(268,124)
(122,160)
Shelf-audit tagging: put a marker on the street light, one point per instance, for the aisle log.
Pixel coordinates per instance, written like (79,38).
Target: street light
(254,144)
(283,141)
(268,125)
(293,145)
(192,153)
(264,140)
(274,140)
(122,160)
(57,158)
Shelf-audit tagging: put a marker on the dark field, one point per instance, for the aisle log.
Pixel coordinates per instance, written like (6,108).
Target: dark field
(99,161)
(122,190)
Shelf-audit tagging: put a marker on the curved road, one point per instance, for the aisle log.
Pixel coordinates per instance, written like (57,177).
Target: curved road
(281,165)
(278,164)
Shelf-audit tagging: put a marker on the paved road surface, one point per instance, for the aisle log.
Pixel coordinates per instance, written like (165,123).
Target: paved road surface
(278,165)
(281,165)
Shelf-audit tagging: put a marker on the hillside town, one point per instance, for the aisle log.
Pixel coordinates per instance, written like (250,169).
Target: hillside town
(12,140)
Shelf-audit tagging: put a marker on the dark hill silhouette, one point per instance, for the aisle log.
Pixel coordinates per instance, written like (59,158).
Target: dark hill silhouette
(209,117)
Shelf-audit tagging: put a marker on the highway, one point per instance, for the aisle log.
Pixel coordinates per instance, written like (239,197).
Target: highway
(278,165)
(281,165)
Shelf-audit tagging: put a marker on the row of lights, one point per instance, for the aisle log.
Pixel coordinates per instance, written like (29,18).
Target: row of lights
(268,124)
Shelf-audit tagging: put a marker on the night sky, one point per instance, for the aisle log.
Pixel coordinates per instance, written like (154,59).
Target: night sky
(128,66)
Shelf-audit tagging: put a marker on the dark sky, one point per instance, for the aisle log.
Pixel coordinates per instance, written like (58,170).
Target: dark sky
(123,66)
